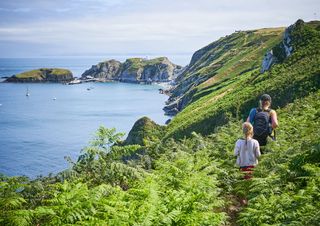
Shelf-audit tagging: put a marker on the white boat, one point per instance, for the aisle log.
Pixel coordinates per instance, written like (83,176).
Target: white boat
(54,98)
(27,94)
(74,82)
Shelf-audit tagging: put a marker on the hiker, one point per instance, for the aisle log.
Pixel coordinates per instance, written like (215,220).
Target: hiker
(247,151)
(264,120)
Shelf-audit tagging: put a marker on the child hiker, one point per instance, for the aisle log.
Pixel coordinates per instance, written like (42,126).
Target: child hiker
(247,151)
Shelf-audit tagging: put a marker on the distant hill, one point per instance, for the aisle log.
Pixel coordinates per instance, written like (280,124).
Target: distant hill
(43,75)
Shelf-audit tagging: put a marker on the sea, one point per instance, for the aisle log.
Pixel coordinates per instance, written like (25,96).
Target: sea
(56,120)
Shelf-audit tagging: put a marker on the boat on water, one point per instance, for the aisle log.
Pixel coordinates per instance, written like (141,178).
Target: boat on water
(74,82)
(54,98)
(27,94)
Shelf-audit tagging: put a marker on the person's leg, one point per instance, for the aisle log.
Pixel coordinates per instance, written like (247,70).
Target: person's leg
(262,142)
(247,172)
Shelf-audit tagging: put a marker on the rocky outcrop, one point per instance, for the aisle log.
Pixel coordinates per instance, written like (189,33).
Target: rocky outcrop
(281,51)
(267,61)
(105,70)
(55,75)
(136,70)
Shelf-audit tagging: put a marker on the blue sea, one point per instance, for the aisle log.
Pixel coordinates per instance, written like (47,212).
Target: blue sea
(56,120)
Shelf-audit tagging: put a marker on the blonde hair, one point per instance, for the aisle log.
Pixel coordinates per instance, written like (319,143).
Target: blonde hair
(247,130)
(261,104)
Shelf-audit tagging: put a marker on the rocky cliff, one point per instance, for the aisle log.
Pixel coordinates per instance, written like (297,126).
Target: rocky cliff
(137,70)
(230,56)
(234,88)
(56,75)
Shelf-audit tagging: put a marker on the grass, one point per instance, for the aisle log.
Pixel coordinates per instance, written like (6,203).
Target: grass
(30,74)
(41,73)
(134,64)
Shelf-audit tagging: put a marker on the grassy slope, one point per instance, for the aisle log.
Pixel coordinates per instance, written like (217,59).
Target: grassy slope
(133,64)
(38,73)
(226,58)
(212,105)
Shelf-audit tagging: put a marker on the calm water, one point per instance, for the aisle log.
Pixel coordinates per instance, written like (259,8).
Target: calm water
(36,132)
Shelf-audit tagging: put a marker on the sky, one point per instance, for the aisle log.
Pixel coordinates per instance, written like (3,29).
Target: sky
(62,28)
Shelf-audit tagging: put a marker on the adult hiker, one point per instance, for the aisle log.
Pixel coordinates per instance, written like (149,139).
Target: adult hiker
(247,151)
(263,119)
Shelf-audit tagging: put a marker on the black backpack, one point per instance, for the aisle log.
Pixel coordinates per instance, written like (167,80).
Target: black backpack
(262,123)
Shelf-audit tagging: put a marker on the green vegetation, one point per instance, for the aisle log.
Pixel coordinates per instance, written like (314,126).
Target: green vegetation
(134,64)
(30,74)
(226,58)
(42,72)
(295,77)
(58,71)
(145,131)
(157,179)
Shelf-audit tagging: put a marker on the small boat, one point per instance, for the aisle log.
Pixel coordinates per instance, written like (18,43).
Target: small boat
(27,94)
(54,98)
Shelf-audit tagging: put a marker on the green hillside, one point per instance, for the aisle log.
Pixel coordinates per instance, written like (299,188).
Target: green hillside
(43,75)
(234,96)
(160,180)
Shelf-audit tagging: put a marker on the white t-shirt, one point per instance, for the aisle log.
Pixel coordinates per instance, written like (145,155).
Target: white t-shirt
(247,154)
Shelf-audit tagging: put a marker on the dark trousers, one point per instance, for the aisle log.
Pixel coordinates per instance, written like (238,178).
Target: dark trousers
(261,139)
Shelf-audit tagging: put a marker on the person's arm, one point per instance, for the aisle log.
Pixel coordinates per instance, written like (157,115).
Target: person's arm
(237,149)
(274,119)
(251,115)
(257,150)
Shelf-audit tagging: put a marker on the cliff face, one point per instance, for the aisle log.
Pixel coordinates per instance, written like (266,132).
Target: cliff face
(235,87)
(224,59)
(56,75)
(281,51)
(135,70)
(105,70)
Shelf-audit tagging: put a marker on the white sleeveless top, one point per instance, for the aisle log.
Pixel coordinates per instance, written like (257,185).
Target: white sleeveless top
(247,154)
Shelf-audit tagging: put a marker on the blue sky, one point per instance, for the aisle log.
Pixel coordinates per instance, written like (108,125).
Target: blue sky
(38,28)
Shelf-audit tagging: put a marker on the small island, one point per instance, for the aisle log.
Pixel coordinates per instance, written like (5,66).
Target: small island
(55,75)
(134,70)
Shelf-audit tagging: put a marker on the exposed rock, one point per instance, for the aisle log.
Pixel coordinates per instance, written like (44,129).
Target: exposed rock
(287,42)
(282,50)
(56,75)
(135,70)
(107,70)
(267,61)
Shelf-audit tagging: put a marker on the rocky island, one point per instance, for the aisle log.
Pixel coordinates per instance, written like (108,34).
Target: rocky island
(57,75)
(135,70)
